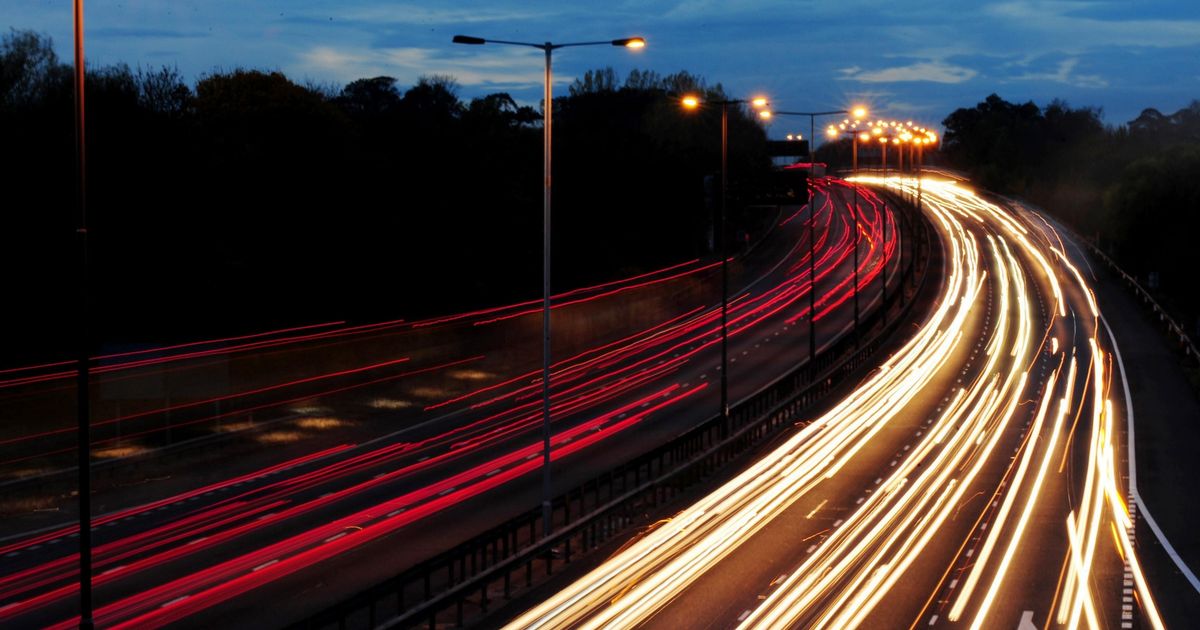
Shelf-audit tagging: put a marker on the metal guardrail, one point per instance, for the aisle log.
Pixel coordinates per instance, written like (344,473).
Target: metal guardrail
(464,582)
(1170,326)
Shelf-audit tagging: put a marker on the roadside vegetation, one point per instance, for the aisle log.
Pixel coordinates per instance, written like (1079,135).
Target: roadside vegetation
(1134,189)
(247,200)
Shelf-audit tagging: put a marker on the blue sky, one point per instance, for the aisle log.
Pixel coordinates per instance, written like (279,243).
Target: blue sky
(917,60)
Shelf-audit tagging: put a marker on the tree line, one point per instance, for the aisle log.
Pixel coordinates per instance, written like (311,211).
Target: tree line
(1133,188)
(248,200)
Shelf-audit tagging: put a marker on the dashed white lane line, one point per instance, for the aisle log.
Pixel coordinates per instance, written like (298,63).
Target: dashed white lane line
(335,537)
(493,472)
(198,540)
(445,492)
(933,620)
(395,512)
(264,565)
(745,613)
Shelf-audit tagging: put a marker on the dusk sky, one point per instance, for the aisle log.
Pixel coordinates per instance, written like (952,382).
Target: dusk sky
(907,60)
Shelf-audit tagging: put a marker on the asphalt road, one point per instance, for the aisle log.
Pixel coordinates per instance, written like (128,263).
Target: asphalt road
(976,479)
(277,540)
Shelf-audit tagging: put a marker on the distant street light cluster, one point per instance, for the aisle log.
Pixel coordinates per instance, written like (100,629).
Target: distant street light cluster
(901,134)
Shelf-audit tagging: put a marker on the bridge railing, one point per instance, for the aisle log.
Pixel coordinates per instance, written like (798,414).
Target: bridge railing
(469,580)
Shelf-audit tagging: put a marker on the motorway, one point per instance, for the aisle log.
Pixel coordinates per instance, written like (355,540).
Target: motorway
(315,526)
(976,479)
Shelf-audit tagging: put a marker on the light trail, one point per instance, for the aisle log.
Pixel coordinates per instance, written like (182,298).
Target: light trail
(988,251)
(597,394)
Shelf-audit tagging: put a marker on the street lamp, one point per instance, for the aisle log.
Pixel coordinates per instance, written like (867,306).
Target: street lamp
(859,112)
(547,109)
(82,375)
(759,103)
(857,134)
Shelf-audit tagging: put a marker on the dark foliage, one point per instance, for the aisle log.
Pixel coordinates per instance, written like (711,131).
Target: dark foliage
(250,201)
(1133,188)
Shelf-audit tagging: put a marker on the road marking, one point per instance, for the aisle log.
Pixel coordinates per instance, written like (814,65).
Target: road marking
(811,549)
(492,472)
(395,512)
(1027,621)
(264,565)
(113,570)
(741,617)
(933,620)
(337,536)
(837,522)
(445,492)
(198,540)
(1132,455)
(175,601)
(819,506)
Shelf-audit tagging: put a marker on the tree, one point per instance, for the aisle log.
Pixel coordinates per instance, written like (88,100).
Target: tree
(370,97)
(163,91)
(593,82)
(433,99)
(29,69)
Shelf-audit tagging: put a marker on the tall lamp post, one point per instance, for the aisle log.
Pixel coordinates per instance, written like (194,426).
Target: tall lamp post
(548,48)
(856,134)
(859,112)
(82,394)
(759,103)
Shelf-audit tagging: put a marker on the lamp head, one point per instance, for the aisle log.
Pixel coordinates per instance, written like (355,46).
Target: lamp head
(630,42)
(467,39)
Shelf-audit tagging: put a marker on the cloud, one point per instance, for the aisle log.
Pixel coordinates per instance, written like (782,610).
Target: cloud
(1059,22)
(1065,73)
(931,71)
(161,33)
(516,67)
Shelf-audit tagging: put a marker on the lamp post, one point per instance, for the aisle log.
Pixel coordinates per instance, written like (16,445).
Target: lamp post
(548,48)
(759,103)
(856,134)
(82,394)
(859,112)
